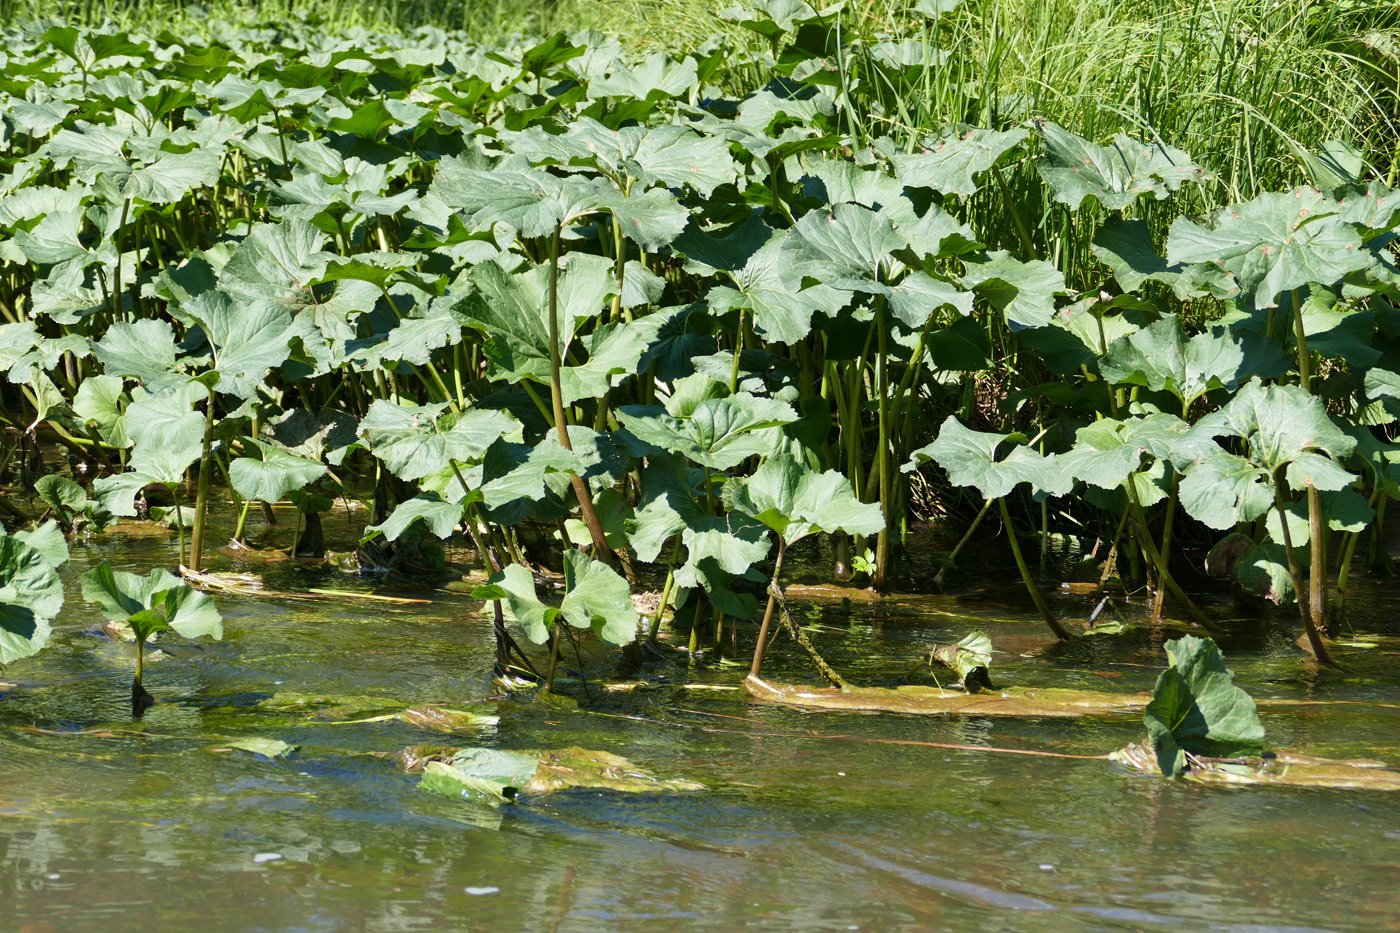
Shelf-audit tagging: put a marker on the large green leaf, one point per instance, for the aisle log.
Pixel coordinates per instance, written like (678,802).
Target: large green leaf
(513,192)
(794,500)
(1197,708)
(440,515)
(278,262)
(144,350)
(1273,244)
(719,433)
(30,595)
(416,440)
(1222,489)
(768,285)
(969,458)
(598,598)
(1117,175)
(670,155)
(595,597)
(847,247)
(153,603)
(247,338)
(1023,291)
(273,472)
(1161,357)
(101,402)
(1285,426)
(667,506)
(513,310)
(1107,451)
(951,163)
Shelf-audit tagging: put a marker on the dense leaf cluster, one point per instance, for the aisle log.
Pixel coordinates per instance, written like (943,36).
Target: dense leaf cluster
(555,285)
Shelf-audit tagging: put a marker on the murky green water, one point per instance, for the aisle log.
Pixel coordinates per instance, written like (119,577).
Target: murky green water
(806,825)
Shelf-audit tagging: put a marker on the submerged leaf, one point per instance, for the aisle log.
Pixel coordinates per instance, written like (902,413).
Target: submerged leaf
(1196,708)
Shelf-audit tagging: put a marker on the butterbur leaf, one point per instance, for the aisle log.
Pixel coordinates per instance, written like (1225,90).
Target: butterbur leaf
(48,540)
(273,472)
(595,597)
(795,500)
(101,402)
(1023,291)
(1197,708)
(416,440)
(1273,244)
(720,433)
(1222,489)
(440,515)
(153,603)
(144,350)
(30,595)
(846,247)
(516,587)
(1161,357)
(733,543)
(515,193)
(1117,175)
(598,598)
(1284,425)
(1106,452)
(246,338)
(969,458)
(951,163)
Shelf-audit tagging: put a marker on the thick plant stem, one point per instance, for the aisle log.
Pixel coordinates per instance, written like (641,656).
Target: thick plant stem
(738,352)
(1317,566)
(553,661)
(1026,245)
(1046,613)
(1319,647)
(882,457)
(1164,577)
(1160,596)
(561,424)
(179,525)
(201,501)
(767,613)
(1317,554)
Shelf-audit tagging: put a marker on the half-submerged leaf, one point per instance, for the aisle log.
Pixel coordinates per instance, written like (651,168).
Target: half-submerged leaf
(1196,708)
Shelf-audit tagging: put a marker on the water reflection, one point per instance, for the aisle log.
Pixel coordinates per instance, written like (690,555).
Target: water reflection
(110,829)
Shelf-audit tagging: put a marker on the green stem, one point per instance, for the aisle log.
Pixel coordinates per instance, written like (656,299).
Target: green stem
(738,349)
(1054,623)
(768,612)
(179,524)
(201,503)
(1317,569)
(1164,577)
(585,500)
(1026,245)
(882,457)
(1319,648)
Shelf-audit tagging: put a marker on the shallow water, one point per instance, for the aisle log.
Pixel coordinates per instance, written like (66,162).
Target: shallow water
(806,823)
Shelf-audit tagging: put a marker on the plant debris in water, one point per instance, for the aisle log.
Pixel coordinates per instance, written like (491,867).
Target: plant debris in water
(502,776)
